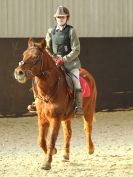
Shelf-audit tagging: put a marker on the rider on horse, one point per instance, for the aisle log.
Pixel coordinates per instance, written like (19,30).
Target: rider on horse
(64,46)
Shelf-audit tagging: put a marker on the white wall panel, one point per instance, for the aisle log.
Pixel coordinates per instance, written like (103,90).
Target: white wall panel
(3,18)
(91,18)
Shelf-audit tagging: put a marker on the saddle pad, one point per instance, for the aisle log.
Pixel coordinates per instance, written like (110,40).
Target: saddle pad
(85,87)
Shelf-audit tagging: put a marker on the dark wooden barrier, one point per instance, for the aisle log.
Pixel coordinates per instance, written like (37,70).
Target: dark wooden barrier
(110,60)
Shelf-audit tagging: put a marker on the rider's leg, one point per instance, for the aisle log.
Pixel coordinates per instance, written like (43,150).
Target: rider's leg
(79,101)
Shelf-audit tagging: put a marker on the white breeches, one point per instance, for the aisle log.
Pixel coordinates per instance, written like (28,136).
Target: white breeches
(75,77)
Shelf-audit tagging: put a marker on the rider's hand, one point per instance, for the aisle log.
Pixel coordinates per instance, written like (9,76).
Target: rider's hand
(59,62)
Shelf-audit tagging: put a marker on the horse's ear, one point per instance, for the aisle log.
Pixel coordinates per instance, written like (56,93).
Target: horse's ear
(43,43)
(30,42)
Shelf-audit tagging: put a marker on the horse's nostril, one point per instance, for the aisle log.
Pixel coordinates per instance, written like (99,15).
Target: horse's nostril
(20,73)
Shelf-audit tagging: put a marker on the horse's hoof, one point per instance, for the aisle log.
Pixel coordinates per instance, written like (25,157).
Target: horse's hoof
(65,158)
(54,151)
(91,151)
(46,166)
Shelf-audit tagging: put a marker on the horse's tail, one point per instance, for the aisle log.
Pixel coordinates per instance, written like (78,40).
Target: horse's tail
(93,91)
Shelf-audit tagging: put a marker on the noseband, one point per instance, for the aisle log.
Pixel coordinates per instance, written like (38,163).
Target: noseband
(33,63)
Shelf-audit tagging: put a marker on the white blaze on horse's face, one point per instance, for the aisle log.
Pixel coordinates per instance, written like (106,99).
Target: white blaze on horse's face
(20,73)
(28,67)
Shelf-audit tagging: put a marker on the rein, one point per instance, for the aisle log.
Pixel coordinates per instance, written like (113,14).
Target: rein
(34,62)
(54,90)
(41,73)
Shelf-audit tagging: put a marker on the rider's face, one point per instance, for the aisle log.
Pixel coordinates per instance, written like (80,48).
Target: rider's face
(61,20)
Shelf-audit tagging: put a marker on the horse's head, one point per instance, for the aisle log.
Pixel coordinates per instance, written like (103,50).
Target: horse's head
(31,64)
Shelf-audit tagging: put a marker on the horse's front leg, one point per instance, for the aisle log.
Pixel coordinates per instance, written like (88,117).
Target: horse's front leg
(52,136)
(67,137)
(43,130)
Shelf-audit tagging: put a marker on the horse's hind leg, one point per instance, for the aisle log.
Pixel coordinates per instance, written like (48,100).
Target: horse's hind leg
(88,131)
(67,137)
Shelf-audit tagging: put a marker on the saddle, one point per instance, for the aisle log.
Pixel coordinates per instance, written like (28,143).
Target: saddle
(85,88)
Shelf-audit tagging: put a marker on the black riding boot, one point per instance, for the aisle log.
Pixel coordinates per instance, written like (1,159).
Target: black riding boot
(79,102)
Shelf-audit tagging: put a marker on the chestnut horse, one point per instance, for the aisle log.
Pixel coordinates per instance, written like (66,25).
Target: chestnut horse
(52,99)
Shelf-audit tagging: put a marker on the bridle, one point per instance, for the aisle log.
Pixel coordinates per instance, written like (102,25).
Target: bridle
(34,62)
(38,59)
